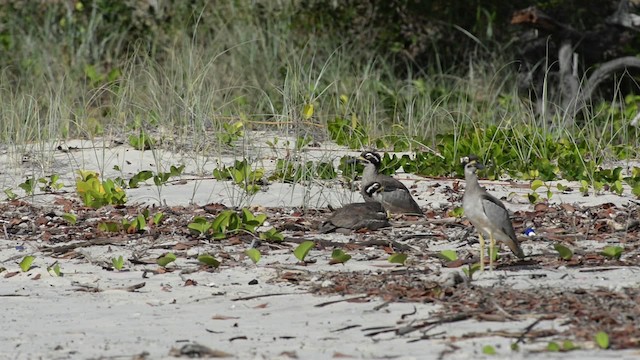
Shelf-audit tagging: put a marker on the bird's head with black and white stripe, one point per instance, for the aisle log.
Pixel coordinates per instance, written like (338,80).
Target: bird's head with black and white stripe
(471,164)
(370,157)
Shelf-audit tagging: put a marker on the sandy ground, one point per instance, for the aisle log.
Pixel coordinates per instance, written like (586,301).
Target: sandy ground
(249,311)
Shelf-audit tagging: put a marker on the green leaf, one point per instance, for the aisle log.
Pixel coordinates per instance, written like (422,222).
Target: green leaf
(247,215)
(488,350)
(176,171)
(117,263)
(494,252)
(261,218)
(272,235)
(56,270)
(157,218)
(221,174)
(26,262)
(553,346)
(166,259)
(227,220)
(141,222)
(109,226)
(70,218)
(471,269)
(209,260)
(536,184)
(457,212)
(449,255)
(10,194)
(602,339)
(568,345)
(616,187)
(253,254)
(564,252)
(307,112)
(303,249)
(397,258)
(28,186)
(339,257)
(199,225)
(613,252)
(142,176)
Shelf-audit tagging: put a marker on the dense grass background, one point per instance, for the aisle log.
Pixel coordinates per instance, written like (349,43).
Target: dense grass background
(407,75)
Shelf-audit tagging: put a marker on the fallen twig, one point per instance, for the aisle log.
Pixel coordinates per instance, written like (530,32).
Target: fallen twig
(411,328)
(346,328)
(62,249)
(266,295)
(427,336)
(527,330)
(372,242)
(341,300)
(93,288)
(512,334)
(451,220)
(598,269)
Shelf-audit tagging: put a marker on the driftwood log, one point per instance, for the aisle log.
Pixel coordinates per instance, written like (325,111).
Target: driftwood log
(562,67)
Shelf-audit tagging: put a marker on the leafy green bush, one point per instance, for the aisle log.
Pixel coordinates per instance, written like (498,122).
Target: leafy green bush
(95,193)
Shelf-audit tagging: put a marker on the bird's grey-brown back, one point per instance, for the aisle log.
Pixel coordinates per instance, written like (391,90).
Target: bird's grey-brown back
(486,212)
(355,216)
(395,196)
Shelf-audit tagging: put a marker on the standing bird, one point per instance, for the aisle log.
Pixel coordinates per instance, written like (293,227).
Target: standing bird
(395,197)
(486,213)
(356,216)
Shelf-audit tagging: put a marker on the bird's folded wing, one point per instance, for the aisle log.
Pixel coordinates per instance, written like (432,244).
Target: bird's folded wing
(497,213)
(390,187)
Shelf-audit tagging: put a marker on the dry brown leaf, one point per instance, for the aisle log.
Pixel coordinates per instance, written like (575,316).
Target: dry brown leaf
(214,208)
(339,355)
(184,245)
(224,317)
(541,207)
(11,274)
(289,354)
(455,263)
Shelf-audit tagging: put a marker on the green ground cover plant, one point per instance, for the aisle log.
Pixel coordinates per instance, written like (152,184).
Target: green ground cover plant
(200,77)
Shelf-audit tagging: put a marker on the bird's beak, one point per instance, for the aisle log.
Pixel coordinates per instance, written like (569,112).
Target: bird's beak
(479,166)
(353,161)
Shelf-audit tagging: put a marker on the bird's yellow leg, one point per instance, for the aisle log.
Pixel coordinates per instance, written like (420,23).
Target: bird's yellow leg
(481,251)
(492,250)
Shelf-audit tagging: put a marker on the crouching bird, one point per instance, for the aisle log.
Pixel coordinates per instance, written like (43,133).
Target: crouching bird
(486,213)
(394,196)
(356,216)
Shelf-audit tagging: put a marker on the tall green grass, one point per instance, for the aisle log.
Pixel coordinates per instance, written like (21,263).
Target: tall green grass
(230,63)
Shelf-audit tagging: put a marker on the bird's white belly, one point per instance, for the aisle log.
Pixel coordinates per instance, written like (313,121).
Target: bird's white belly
(478,219)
